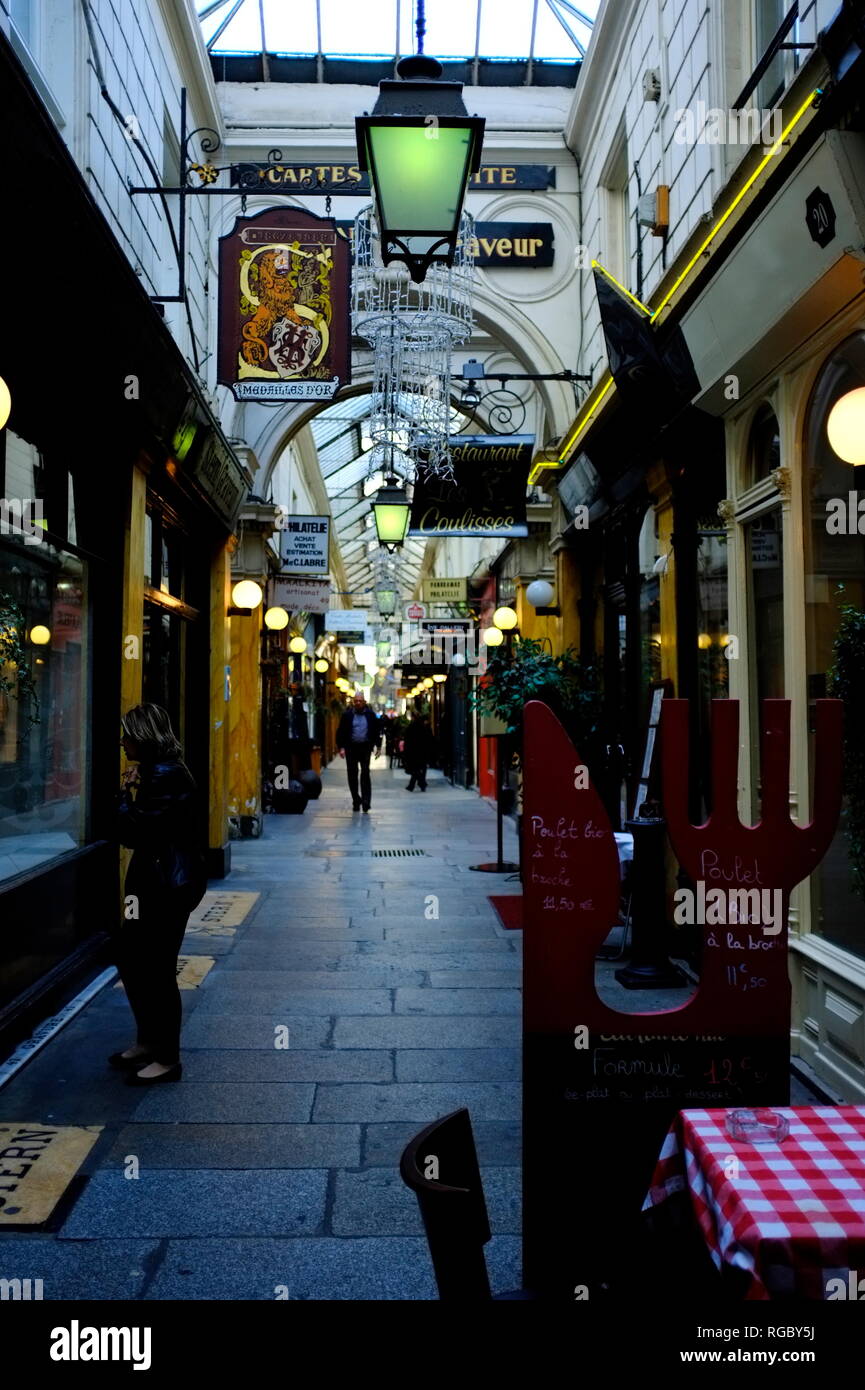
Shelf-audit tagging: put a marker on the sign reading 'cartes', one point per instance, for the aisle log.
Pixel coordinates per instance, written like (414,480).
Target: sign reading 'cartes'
(348,179)
(487,495)
(304,544)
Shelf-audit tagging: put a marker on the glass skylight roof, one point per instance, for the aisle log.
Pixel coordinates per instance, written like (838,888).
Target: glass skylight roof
(544,30)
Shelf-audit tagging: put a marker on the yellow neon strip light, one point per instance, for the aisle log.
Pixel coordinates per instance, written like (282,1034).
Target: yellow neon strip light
(596,265)
(746,187)
(583,419)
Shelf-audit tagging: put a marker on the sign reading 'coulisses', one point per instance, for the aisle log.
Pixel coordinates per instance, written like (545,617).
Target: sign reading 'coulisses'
(485,497)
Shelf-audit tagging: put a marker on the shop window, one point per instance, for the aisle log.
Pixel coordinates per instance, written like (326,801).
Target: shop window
(834,575)
(764,448)
(44,752)
(764,554)
(712,614)
(650,604)
(167,615)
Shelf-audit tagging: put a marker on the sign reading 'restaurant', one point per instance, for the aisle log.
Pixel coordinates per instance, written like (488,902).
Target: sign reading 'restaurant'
(487,494)
(283,307)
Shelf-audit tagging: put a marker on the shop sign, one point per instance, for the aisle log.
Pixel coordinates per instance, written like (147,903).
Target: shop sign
(301,595)
(415,611)
(284,307)
(447,627)
(349,180)
(486,495)
(220,477)
(303,543)
(765,550)
(445,590)
(349,624)
(502,245)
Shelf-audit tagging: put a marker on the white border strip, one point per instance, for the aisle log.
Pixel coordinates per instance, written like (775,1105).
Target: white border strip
(46,1031)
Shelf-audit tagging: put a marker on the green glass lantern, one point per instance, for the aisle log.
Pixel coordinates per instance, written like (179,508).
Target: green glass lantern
(420,147)
(391,510)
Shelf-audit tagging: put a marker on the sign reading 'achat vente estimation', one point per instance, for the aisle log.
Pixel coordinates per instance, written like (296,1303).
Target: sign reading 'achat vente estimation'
(487,494)
(284,307)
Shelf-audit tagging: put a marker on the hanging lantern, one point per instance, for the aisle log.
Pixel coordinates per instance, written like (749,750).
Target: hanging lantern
(391,510)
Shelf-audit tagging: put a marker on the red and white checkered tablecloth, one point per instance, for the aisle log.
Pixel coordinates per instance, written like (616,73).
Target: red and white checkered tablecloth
(791,1214)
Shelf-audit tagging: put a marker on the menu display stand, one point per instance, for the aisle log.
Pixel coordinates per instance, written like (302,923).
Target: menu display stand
(600,1087)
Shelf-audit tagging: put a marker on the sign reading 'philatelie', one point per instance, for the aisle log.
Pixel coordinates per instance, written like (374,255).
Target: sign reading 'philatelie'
(303,544)
(283,307)
(487,494)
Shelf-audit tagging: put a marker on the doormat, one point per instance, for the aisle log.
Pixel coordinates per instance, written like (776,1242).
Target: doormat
(510,909)
(39,1162)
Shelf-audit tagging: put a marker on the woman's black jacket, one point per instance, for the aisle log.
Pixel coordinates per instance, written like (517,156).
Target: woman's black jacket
(159,825)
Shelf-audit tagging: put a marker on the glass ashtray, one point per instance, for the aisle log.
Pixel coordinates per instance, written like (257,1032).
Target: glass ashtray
(763,1126)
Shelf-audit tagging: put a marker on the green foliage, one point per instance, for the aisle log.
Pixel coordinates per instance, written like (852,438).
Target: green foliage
(15,676)
(847,682)
(530,672)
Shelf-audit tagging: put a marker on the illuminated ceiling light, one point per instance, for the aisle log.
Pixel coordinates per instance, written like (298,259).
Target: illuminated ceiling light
(297,645)
(40,636)
(321,665)
(5,403)
(492,637)
(505,618)
(846,427)
(276,619)
(247,594)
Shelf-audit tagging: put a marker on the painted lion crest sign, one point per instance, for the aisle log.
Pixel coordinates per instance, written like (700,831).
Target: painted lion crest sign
(284,331)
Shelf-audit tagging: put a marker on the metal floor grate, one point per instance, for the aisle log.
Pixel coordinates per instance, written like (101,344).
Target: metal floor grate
(395,853)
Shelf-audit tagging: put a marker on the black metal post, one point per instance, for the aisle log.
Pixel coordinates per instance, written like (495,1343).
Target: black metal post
(650,966)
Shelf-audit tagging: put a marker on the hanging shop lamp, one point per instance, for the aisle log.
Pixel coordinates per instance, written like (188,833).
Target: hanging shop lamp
(276,619)
(391,510)
(386,600)
(420,147)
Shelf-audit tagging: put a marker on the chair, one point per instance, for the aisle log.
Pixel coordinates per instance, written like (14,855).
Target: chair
(440,1165)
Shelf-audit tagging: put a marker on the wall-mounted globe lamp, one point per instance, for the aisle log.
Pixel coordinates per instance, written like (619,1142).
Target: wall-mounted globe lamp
(540,595)
(40,636)
(297,645)
(5,403)
(845,429)
(439,679)
(276,619)
(505,619)
(428,684)
(321,665)
(245,597)
(420,146)
(492,637)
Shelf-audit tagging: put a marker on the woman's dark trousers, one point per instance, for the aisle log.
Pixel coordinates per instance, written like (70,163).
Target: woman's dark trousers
(147,951)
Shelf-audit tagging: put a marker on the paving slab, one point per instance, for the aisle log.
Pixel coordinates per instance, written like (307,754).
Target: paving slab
(236,1146)
(457,1001)
(424,1102)
(223,999)
(79,1269)
(459,1064)
(377,1202)
(498,1142)
(430,1031)
(174,1202)
(220,1030)
(288,1064)
(208,1102)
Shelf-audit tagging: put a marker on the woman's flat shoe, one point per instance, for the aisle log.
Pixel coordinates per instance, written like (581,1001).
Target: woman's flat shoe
(121,1063)
(174,1074)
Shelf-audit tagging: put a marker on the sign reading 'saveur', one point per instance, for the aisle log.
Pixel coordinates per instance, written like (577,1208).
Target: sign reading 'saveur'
(485,497)
(284,307)
(303,544)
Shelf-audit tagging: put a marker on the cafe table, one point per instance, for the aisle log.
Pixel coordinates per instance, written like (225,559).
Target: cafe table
(789,1216)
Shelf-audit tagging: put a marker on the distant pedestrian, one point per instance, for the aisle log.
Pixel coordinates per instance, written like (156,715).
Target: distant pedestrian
(417,751)
(165,880)
(359,732)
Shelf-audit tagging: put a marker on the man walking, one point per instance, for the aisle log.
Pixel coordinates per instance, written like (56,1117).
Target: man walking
(358,733)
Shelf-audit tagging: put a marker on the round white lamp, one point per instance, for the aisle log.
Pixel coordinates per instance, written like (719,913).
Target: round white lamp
(297,645)
(276,619)
(247,594)
(540,593)
(846,427)
(39,635)
(492,637)
(5,403)
(505,618)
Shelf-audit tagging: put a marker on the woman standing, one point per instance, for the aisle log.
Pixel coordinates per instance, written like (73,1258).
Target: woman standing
(166,879)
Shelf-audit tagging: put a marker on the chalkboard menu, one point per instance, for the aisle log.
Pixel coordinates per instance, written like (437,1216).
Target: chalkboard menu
(601,1087)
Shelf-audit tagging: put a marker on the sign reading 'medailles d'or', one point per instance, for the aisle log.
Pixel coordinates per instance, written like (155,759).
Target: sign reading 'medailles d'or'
(487,494)
(284,307)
